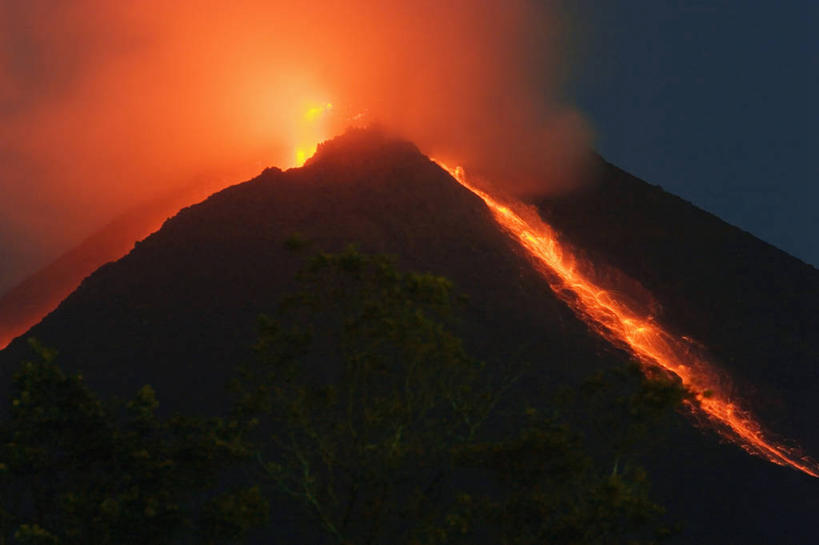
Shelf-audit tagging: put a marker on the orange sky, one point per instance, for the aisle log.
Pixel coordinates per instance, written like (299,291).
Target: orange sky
(105,104)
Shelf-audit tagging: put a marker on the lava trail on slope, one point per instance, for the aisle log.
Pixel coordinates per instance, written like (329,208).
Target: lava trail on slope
(656,348)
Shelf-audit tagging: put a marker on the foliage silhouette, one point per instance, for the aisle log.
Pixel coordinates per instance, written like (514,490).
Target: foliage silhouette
(363,419)
(77,470)
(372,417)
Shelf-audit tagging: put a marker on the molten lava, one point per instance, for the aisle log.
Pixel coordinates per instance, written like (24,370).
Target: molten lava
(311,132)
(620,324)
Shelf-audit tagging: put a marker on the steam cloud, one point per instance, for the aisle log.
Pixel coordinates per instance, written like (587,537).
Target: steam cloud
(105,104)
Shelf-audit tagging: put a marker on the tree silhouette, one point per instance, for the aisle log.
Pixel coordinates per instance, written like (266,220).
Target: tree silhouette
(373,418)
(77,470)
(362,420)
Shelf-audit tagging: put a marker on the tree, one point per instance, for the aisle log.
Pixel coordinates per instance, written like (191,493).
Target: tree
(77,470)
(370,415)
(569,475)
(363,419)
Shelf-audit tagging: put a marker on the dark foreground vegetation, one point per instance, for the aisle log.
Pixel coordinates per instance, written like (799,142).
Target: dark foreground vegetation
(362,420)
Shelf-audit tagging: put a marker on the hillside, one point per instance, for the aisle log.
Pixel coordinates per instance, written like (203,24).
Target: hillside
(752,305)
(26,303)
(179,311)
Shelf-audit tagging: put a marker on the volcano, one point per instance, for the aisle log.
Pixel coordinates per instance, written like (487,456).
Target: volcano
(179,311)
(26,303)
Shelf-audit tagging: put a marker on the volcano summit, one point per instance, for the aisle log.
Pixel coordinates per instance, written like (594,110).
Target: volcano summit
(179,311)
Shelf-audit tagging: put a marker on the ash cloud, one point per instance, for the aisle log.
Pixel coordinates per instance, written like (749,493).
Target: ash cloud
(106,104)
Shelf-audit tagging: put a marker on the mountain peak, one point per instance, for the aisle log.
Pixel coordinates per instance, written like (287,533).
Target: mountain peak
(179,311)
(358,146)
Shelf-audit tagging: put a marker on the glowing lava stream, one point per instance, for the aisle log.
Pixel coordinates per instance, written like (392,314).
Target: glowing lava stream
(650,343)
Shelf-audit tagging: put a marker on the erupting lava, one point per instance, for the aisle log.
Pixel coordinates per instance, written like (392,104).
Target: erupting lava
(653,346)
(310,132)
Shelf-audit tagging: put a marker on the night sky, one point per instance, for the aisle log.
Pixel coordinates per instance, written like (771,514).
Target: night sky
(714,100)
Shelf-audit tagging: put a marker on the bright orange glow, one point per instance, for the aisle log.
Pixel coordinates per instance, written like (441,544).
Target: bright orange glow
(311,131)
(124,101)
(652,345)
(303,154)
(317,111)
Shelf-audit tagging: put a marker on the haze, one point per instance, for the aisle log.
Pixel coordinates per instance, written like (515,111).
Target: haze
(106,104)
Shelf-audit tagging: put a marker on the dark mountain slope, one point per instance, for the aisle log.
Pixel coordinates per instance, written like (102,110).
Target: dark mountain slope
(179,311)
(28,302)
(751,304)
(181,308)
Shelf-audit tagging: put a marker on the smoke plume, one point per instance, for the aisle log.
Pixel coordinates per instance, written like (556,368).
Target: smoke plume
(106,104)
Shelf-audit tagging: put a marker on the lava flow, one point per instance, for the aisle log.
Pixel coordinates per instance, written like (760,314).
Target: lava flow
(652,345)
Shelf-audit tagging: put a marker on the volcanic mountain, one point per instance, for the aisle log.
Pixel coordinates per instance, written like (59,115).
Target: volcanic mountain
(26,303)
(179,311)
